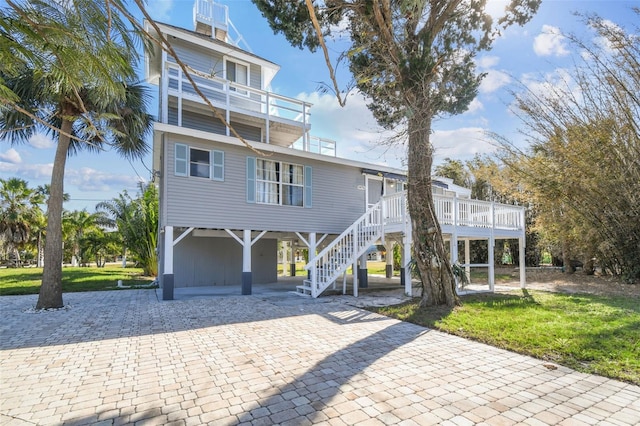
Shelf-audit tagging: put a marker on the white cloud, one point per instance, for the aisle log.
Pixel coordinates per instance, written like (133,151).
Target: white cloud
(27,171)
(461,143)
(353,127)
(159,9)
(41,141)
(11,156)
(487,61)
(493,81)
(550,42)
(91,180)
(556,84)
(474,106)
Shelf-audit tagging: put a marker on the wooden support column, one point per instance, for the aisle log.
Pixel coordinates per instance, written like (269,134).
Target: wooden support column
(167,273)
(363,273)
(285,258)
(312,244)
(246,242)
(354,267)
(492,268)
(467,259)
(523,268)
(247,277)
(389,259)
(292,261)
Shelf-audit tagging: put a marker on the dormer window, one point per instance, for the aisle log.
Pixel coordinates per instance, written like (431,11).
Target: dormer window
(237,72)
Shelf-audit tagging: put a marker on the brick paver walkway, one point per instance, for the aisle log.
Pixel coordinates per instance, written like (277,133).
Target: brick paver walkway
(124,357)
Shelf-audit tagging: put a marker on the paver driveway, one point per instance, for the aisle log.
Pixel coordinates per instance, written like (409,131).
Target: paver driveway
(125,357)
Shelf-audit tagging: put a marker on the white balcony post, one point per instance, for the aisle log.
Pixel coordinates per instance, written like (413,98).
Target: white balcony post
(305,134)
(268,119)
(227,86)
(164,91)
(180,77)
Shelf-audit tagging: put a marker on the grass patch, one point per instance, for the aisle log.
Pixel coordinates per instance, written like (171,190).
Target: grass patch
(17,281)
(591,334)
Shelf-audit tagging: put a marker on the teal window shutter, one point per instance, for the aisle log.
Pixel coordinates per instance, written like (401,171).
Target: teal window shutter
(181,160)
(251,179)
(308,187)
(217,165)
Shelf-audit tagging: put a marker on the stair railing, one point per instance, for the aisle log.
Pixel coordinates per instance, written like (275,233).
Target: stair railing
(336,258)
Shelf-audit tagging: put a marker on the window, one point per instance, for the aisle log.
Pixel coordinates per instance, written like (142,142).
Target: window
(278,183)
(198,162)
(238,73)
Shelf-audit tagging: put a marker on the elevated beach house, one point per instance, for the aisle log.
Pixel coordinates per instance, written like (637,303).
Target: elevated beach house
(225,209)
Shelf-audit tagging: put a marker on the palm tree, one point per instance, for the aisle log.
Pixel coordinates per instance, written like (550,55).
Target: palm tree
(79,223)
(70,72)
(137,222)
(19,211)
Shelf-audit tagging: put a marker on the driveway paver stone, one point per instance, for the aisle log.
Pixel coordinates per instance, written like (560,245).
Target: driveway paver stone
(126,357)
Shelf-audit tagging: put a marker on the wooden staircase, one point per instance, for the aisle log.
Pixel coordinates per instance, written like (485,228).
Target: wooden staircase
(333,261)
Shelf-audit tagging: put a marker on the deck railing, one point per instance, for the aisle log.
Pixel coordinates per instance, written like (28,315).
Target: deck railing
(225,93)
(259,103)
(483,214)
(316,145)
(458,212)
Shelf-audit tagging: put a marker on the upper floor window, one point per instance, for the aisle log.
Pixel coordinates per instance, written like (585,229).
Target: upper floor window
(199,162)
(237,72)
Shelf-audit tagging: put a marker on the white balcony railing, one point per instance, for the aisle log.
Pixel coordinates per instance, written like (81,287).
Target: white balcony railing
(216,15)
(316,145)
(458,212)
(483,214)
(230,95)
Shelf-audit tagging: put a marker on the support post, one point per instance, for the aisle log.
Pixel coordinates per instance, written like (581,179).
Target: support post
(284,246)
(363,273)
(453,254)
(246,263)
(405,271)
(492,268)
(467,259)
(292,265)
(523,268)
(167,273)
(312,254)
(354,267)
(389,259)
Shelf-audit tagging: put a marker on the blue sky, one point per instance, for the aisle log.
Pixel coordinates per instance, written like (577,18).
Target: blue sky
(524,54)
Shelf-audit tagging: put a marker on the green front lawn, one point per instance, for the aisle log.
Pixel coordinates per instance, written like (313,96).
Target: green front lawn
(14,281)
(592,334)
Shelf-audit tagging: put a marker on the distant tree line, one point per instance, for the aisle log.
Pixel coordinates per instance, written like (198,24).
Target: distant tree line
(580,173)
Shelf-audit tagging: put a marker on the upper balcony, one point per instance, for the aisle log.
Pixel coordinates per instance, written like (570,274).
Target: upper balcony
(256,115)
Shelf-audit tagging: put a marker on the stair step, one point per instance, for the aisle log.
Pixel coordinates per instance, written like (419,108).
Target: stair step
(303,290)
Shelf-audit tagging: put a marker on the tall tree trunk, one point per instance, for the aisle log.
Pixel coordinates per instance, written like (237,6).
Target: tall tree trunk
(566,257)
(51,288)
(429,252)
